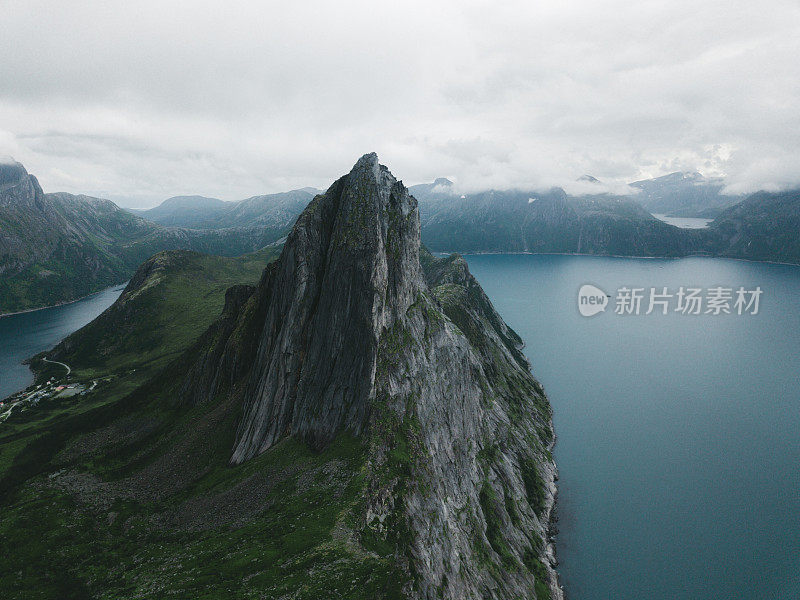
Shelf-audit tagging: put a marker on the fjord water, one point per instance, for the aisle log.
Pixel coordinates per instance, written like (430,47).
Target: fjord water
(678,436)
(26,334)
(685,222)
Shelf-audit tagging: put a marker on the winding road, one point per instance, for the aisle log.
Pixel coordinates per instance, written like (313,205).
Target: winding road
(55,362)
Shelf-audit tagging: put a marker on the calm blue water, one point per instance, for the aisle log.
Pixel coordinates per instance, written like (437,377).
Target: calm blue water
(26,334)
(678,436)
(685,222)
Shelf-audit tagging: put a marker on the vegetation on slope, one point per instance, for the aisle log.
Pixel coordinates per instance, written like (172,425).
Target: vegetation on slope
(170,301)
(128,492)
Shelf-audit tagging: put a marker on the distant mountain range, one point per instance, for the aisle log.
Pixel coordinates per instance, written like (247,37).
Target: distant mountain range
(198,212)
(59,247)
(56,248)
(548,222)
(183,211)
(680,194)
(761,226)
(765,226)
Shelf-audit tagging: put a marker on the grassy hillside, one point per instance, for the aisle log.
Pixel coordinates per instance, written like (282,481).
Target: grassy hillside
(99,499)
(170,301)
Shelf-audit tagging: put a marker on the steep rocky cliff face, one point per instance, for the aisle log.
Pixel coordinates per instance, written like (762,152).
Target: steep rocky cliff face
(347,332)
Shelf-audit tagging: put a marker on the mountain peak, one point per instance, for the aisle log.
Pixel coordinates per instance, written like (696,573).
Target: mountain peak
(348,333)
(367,166)
(680,176)
(370,158)
(11,172)
(349,269)
(588,178)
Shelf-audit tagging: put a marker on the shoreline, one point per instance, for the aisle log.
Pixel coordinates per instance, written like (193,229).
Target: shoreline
(554,579)
(551,528)
(65,303)
(629,256)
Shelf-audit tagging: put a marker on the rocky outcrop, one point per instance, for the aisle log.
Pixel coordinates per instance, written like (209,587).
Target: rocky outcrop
(349,270)
(349,331)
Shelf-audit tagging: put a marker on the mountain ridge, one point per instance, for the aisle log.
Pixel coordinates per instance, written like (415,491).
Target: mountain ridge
(429,473)
(684,194)
(276,210)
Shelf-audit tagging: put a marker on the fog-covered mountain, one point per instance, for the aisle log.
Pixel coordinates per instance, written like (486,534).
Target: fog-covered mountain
(765,226)
(59,247)
(545,222)
(684,194)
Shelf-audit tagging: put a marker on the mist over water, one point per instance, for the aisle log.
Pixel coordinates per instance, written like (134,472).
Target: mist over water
(26,334)
(678,436)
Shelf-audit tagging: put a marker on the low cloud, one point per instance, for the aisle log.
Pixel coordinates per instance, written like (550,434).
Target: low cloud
(141,101)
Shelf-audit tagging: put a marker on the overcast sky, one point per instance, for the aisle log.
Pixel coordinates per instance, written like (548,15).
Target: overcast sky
(138,101)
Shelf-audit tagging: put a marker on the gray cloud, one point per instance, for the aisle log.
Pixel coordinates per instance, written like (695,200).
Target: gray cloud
(139,101)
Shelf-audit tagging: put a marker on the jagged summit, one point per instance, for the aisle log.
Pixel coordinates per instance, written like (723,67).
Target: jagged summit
(348,270)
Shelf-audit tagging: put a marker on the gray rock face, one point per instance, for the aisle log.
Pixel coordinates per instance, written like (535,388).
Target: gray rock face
(354,332)
(349,268)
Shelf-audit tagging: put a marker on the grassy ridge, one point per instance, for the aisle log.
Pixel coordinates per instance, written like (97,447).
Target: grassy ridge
(156,319)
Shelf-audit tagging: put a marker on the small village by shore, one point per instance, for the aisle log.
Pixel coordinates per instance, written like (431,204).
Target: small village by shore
(55,388)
